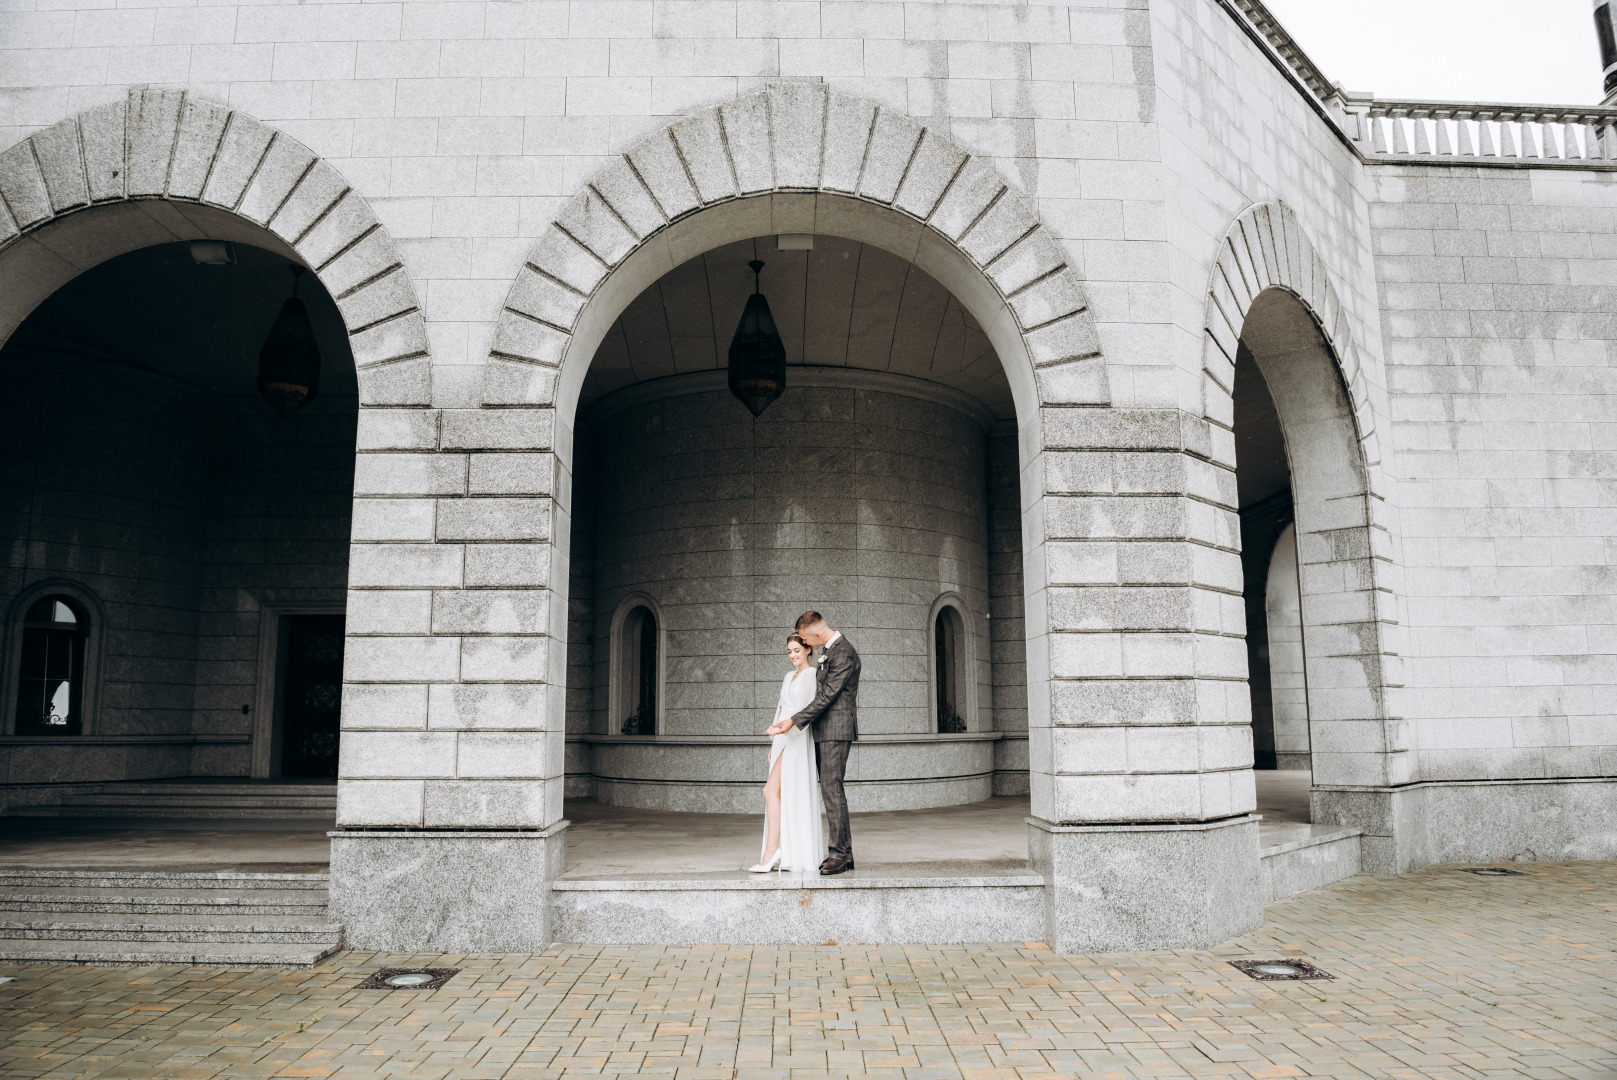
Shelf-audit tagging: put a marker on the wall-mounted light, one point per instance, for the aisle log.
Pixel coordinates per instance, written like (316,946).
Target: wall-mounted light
(213,252)
(289,362)
(757,355)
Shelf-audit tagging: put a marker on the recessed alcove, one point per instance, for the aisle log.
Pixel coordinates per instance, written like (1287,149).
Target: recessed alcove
(880,489)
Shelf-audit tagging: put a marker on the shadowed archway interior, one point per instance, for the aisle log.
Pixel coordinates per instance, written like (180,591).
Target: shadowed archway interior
(883,479)
(142,467)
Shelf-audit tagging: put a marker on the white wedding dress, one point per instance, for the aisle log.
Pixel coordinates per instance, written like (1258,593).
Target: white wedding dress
(802,834)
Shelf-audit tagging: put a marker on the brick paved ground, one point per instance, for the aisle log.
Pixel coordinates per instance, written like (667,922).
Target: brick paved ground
(1440,974)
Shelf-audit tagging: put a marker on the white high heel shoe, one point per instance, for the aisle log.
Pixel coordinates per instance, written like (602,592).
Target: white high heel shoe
(762,869)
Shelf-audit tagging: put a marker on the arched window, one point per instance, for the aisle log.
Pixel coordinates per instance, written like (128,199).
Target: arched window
(949,647)
(635,657)
(50,684)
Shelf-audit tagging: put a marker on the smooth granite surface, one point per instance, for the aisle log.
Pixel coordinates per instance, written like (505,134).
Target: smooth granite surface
(1310,862)
(1478,821)
(860,907)
(449,890)
(1128,888)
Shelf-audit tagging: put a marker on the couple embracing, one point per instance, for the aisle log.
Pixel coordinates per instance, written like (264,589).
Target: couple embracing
(805,772)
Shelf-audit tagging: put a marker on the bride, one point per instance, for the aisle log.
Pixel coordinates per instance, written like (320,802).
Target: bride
(793,836)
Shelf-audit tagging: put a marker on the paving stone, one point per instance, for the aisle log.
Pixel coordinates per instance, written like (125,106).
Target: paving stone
(1438,974)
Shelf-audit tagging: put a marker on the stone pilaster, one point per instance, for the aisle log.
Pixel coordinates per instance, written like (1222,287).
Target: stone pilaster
(1140,732)
(450,798)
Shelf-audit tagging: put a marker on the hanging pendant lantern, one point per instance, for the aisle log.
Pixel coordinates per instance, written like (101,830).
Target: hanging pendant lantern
(757,355)
(289,362)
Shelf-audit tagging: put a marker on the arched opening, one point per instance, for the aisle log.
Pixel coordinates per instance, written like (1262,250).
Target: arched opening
(1263,485)
(143,466)
(1305,550)
(884,477)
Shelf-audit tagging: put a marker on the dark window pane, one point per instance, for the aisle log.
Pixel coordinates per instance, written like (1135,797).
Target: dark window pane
(50,684)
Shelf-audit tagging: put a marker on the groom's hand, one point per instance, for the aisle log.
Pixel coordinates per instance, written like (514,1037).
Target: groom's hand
(780,727)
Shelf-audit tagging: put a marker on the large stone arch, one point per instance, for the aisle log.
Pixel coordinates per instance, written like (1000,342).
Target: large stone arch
(161,165)
(797,158)
(1270,287)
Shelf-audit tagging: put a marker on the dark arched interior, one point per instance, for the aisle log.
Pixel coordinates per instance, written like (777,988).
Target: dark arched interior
(139,464)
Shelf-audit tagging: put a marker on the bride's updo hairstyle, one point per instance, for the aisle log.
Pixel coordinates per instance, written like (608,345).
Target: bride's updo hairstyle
(798,638)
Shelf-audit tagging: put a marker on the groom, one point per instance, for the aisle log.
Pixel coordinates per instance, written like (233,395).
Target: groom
(834,712)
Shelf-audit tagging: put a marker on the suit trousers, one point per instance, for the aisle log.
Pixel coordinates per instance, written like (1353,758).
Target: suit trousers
(833,763)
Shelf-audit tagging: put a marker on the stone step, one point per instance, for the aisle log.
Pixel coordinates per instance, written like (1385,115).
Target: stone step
(165,901)
(200,798)
(897,906)
(80,926)
(184,953)
(190,880)
(1298,859)
(180,809)
(202,784)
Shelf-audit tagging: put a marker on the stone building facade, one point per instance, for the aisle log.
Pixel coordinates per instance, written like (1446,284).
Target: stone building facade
(1108,217)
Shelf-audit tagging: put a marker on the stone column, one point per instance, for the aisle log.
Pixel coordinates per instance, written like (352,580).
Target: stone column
(1138,708)
(449,806)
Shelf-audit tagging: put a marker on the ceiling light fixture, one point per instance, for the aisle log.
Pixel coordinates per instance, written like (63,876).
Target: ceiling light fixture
(757,355)
(289,362)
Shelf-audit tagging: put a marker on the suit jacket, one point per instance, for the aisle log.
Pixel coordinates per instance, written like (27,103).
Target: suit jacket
(834,712)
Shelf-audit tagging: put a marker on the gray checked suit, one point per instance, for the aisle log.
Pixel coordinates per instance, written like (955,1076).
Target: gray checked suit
(834,714)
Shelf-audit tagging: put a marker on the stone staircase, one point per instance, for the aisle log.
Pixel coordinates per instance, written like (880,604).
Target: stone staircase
(190,799)
(165,917)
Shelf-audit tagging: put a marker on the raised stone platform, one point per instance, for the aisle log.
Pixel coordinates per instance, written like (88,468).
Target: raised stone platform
(911,906)
(947,874)
(137,890)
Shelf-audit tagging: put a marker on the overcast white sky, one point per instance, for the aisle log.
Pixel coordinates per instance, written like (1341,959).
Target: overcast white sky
(1537,51)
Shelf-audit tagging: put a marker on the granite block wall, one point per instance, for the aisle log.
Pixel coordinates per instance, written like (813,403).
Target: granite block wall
(1498,292)
(1288,685)
(861,496)
(866,504)
(1079,176)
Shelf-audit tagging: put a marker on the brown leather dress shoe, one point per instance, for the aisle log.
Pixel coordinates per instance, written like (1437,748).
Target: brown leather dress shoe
(835,865)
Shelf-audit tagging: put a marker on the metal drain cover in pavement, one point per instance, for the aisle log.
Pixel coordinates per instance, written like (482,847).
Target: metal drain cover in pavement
(1281,970)
(1491,871)
(408,979)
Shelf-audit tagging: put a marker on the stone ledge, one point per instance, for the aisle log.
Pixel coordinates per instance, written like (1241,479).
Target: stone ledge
(1144,826)
(856,879)
(124,740)
(905,908)
(1318,834)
